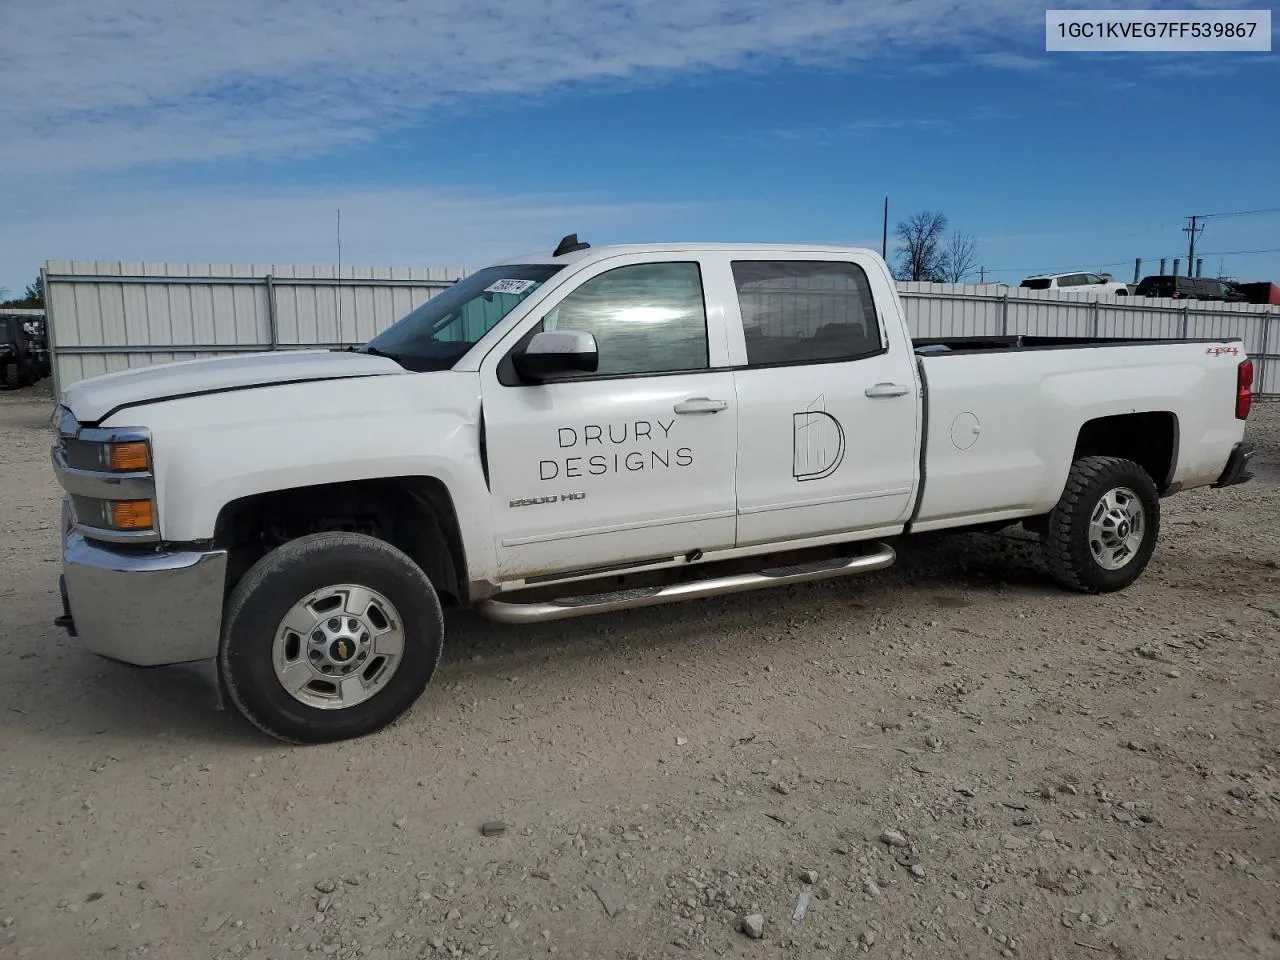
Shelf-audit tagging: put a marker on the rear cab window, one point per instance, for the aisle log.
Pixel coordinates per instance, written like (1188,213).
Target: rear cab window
(806,311)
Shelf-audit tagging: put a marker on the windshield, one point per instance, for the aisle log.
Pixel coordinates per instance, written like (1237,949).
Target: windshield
(438,334)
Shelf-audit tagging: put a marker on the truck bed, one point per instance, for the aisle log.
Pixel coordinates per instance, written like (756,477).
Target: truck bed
(1013,342)
(1003,416)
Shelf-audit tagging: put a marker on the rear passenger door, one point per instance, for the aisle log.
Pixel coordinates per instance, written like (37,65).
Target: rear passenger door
(828,398)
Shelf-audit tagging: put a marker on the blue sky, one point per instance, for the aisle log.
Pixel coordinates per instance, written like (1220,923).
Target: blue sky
(454,132)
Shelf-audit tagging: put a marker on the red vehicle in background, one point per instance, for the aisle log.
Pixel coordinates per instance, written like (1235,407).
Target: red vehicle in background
(1260,292)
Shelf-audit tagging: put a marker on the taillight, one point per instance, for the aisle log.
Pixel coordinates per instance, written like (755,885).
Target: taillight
(1244,389)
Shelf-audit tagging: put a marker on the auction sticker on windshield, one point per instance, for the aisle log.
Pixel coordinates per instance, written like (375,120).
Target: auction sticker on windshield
(510,286)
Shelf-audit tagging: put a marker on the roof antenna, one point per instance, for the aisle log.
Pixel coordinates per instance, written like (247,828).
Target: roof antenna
(570,244)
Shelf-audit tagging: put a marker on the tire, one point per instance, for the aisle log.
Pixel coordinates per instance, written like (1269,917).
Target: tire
(27,372)
(1112,555)
(259,651)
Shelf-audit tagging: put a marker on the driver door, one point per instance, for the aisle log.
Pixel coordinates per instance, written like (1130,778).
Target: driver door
(629,464)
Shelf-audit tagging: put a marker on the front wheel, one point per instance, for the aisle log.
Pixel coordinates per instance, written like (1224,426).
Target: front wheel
(329,637)
(1102,532)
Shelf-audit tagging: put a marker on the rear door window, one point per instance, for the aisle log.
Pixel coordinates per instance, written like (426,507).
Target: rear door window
(806,311)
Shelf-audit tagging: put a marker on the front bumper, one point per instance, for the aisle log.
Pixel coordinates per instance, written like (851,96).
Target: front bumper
(145,608)
(1237,468)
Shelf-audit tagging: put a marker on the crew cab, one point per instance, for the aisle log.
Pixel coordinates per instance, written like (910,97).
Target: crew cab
(597,429)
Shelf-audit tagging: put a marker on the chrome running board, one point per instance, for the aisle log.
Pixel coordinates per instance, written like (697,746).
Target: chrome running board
(878,557)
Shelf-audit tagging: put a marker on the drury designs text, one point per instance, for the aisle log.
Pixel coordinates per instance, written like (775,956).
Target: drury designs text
(594,450)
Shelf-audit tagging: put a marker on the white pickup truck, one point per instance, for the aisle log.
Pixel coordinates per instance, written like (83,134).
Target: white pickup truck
(597,429)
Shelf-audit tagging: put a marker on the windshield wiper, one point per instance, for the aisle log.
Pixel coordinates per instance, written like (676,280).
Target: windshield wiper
(375,352)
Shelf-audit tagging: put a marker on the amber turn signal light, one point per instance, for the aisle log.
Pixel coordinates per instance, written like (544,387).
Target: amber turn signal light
(129,514)
(131,457)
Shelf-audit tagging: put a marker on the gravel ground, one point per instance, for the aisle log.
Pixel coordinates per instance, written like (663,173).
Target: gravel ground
(950,759)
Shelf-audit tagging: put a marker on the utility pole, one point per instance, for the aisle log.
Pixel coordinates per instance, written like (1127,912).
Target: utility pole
(1191,230)
(982,274)
(884,232)
(338,288)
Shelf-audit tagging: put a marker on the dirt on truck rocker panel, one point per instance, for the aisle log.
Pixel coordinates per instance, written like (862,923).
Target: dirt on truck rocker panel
(594,429)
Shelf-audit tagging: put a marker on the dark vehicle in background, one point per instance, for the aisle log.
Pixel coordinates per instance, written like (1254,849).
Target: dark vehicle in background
(1189,288)
(24,350)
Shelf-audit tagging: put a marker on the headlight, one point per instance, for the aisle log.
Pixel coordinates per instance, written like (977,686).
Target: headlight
(110,474)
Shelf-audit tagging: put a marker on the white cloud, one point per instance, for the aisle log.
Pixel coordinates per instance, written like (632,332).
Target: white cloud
(380,227)
(1008,60)
(93,86)
(90,88)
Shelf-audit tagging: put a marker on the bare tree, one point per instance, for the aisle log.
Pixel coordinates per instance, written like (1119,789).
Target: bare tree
(959,258)
(920,254)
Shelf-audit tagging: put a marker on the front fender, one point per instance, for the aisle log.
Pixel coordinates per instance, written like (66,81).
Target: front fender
(215,449)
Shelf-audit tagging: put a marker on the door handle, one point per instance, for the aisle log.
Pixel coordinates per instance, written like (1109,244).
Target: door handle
(700,405)
(882,390)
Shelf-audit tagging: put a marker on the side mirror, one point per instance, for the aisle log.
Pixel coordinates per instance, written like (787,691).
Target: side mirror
(556,352)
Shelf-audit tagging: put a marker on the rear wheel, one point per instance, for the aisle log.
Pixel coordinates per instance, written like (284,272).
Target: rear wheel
(329,637)
(1102,532)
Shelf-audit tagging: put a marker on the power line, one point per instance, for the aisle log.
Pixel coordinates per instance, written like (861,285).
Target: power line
(1124,263)
(1238,253)
(1237,213)
(1033,270)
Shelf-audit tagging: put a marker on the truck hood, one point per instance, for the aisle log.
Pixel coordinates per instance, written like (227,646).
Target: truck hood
(97,398)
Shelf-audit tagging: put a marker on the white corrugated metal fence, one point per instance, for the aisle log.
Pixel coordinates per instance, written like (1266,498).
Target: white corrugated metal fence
(936,310)
(111,315)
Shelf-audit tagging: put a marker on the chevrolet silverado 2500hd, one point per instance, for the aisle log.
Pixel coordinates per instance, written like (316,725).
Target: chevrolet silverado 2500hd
(597,429)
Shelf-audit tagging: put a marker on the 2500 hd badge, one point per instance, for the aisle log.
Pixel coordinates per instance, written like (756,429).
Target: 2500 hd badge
(536,501)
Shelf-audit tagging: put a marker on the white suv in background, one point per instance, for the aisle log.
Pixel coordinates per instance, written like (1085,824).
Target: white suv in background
(1077,283)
